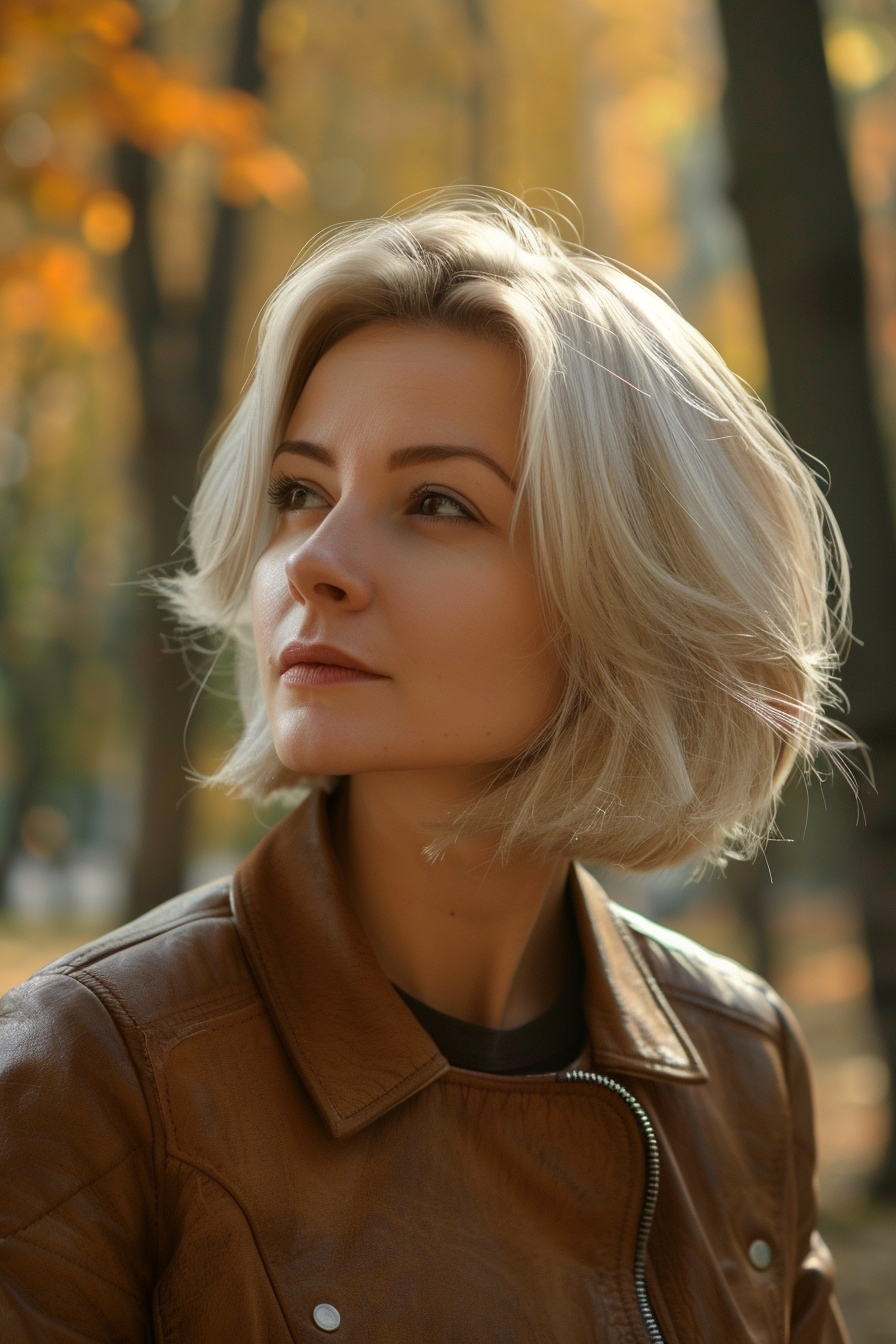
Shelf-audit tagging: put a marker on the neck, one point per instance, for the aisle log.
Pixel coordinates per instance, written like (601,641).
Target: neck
(480,939)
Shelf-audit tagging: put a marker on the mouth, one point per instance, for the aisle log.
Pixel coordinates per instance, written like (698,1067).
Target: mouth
(322,665)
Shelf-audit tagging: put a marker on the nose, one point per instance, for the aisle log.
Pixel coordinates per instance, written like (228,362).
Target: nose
(327,567)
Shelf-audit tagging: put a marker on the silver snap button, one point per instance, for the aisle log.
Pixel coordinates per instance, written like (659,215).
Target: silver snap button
(760,1254)
(326,1317)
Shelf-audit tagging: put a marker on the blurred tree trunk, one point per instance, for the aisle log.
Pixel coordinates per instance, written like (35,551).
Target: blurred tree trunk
(791,185)
(179,348)
(477,28)
(30,684)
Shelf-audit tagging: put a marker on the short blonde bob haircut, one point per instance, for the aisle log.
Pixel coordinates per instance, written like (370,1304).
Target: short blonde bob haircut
(688,558)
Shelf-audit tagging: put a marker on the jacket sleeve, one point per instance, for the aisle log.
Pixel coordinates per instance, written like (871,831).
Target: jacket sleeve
(815,1314)
(77,1225)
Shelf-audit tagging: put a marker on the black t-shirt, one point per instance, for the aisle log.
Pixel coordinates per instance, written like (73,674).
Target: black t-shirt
(547,1044)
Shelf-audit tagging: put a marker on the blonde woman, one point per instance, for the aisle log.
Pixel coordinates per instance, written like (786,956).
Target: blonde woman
(519,575)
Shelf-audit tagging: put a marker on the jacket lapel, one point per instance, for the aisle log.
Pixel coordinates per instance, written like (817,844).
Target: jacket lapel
(359,1049)
(632,1027)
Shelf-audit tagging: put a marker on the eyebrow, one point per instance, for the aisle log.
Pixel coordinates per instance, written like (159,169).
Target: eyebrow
(402,457)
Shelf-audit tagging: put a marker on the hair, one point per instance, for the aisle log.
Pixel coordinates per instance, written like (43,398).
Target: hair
(693,570)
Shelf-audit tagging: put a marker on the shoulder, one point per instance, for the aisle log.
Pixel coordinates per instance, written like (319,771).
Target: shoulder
(80,1108)
(690,974)
(742,1027)
(179,957)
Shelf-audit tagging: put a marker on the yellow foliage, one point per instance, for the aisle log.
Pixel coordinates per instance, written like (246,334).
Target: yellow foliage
(729,317)
(658,87)
(132,75)
(859,55)
(159,112)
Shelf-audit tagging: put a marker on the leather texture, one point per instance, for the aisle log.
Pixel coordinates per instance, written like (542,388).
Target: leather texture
(222,1115)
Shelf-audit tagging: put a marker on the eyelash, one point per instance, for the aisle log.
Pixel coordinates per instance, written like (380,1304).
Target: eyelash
(424,491)
(280,493)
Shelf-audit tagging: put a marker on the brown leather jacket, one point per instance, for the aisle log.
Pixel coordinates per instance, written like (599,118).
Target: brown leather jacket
(222,1117)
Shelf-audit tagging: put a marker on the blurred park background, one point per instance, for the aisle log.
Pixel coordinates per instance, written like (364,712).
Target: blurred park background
(162,165)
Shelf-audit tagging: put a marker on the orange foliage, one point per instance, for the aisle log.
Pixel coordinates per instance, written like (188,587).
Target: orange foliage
(72,84)
(107,222)
(50,289)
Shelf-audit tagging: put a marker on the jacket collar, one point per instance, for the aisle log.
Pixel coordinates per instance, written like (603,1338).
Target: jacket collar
(358,1048)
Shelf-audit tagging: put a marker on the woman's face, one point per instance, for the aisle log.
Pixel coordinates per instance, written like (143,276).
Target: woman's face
(396,628)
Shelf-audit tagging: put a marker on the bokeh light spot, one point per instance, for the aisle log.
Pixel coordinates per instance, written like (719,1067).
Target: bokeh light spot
(107,222)
(28,140)
(859,55)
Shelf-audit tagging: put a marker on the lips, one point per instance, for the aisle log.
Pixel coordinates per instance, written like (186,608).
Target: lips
(322,664)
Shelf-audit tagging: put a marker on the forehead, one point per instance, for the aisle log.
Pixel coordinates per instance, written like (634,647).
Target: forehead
(403,385)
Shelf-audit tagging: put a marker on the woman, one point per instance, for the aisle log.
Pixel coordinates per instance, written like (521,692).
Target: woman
(519,574)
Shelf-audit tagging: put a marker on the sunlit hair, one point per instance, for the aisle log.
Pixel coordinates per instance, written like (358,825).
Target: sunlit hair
(687,555)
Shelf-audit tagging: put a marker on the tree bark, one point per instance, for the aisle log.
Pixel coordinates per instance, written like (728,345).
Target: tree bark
(791,186)
(179,349)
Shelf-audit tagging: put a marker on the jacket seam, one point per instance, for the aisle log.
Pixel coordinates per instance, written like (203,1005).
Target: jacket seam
(110,949)
(632,1141)
(72,1194)
(99,988)
(202,1009)
(86,1269)
(168,1109)
(714,1005)
(211,1175)
(785,1174)
(658,1300)
(633,1146)
(808,1149)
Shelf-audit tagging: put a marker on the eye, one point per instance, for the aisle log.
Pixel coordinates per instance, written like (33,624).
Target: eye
(434,504)
(291,496)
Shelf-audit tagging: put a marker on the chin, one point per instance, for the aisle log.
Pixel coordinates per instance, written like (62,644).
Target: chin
(362,758)
(312,743)
(309,755)
(320,763)
(318,745)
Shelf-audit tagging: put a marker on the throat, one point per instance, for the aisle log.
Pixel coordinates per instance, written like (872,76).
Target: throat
(485,940)
(548,1043)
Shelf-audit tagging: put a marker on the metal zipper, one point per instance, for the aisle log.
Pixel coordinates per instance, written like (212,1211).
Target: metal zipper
(651,1191)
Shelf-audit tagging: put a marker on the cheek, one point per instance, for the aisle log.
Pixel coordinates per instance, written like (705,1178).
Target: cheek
(269,593)
(483,639)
